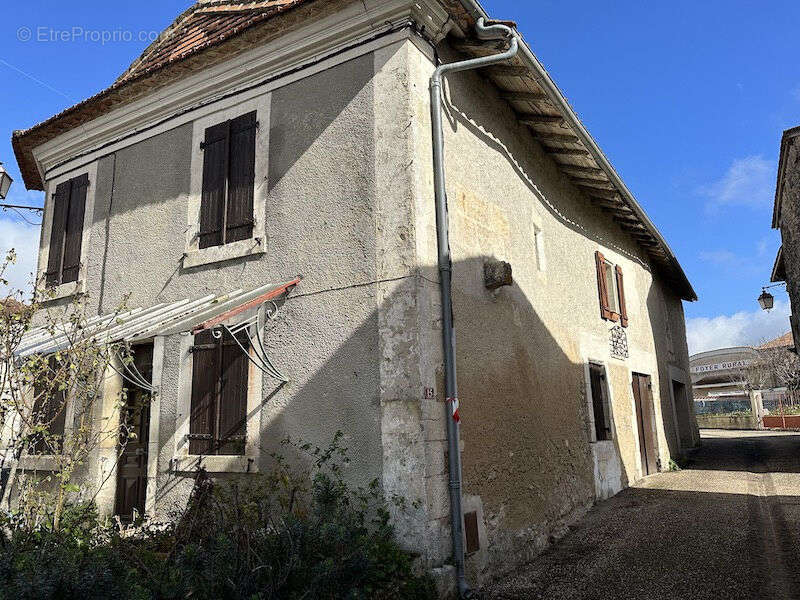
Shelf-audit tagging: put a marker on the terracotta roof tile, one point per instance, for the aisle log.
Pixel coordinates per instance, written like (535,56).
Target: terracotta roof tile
(785,341)
(203,25)
(206,24)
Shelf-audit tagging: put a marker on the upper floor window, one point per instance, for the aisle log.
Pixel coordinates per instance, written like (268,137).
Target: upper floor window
(219,395)
(611,288)
(66,234)
(226,208)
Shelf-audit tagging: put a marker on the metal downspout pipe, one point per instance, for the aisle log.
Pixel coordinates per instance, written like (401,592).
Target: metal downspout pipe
(486,32)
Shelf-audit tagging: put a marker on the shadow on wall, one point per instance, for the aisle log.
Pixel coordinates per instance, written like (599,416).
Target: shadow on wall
(523,402)
(669,336)
(488,118)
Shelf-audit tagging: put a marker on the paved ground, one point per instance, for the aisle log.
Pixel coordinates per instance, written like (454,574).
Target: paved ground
(725,527)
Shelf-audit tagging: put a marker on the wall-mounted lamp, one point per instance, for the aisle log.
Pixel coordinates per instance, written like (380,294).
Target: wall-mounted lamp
(5,182)
(767,300)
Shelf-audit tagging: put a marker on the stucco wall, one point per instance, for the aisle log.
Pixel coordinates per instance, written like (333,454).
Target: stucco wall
(349,203)
(320,222)
(522,349)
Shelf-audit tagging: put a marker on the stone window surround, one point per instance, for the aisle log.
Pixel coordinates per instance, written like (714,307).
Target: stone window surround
(49,462)
(182,461)
(72,288)
(256,245)
(589,399)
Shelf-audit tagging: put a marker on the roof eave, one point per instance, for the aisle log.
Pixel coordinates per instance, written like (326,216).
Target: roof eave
(475,10)
(778,269)
(787,136)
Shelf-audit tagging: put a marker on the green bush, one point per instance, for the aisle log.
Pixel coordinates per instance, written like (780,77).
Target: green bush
(277,536)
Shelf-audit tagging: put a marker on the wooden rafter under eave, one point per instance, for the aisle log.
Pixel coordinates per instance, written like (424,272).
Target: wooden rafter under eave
(523,96)
(531,119)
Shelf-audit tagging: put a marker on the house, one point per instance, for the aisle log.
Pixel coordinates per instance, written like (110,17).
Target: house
(255,141)
(786,218)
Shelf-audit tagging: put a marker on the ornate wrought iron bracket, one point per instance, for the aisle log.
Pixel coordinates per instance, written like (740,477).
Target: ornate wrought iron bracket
(253,328)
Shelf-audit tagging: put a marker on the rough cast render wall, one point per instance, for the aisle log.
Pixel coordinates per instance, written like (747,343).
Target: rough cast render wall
(528,463)
(342,199)
(320,222)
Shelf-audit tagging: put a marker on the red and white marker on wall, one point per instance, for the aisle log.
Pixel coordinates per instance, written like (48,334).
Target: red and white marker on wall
(454,405)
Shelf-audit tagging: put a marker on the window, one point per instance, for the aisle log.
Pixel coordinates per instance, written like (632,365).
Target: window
(226,207)
(49,412)
(601,407)
(611,288)
(219,395)
(538,237)
(66,234)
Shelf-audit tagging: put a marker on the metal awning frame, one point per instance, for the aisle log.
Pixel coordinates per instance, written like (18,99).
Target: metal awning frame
(253,327)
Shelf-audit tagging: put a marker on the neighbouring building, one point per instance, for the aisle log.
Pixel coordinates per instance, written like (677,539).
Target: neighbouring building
(722,395)
(786,218)
(255,141)
(737,387)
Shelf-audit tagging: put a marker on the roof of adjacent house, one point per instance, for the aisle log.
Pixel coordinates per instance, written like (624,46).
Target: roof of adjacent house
(784,341)
(212,31)
(786,140)
(778,268)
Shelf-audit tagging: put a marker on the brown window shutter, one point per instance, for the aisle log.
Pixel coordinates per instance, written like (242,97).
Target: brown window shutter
(241,178)
(57,232)
(602,288)
(205,377)
(623,311)
(233,397)
(219,395)
(49,410)
(73,236)
(215,174)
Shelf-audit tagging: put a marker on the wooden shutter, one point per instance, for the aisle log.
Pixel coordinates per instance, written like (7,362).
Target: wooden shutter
(241,178)
(49,410)
(623,311)
(215,174)
(602,288)
(73,236)
(205,379)
(233,397)
(57,232)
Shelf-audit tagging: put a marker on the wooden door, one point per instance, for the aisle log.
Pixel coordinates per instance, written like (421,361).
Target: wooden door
(643,397)
(134,438)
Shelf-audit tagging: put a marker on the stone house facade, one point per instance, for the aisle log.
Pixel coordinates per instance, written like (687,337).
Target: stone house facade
(786,218)
(295,138)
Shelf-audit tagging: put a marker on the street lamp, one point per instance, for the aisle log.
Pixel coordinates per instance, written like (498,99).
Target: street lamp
(5,182)
(766,300)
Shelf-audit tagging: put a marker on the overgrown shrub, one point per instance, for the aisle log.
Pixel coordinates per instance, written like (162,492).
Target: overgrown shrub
(278,536)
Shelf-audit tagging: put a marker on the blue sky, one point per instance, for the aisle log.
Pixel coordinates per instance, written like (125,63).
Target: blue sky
(687,99)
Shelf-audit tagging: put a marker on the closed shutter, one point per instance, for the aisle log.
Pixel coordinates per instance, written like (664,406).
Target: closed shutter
(602,288)
(50,412)
(215,172)
(241,178)
(623,311)
(219,396)
(57,232)
(233,398)
(205,378)
(74,229)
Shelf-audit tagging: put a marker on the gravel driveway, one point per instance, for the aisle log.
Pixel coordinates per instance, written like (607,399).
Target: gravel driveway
(725,527)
